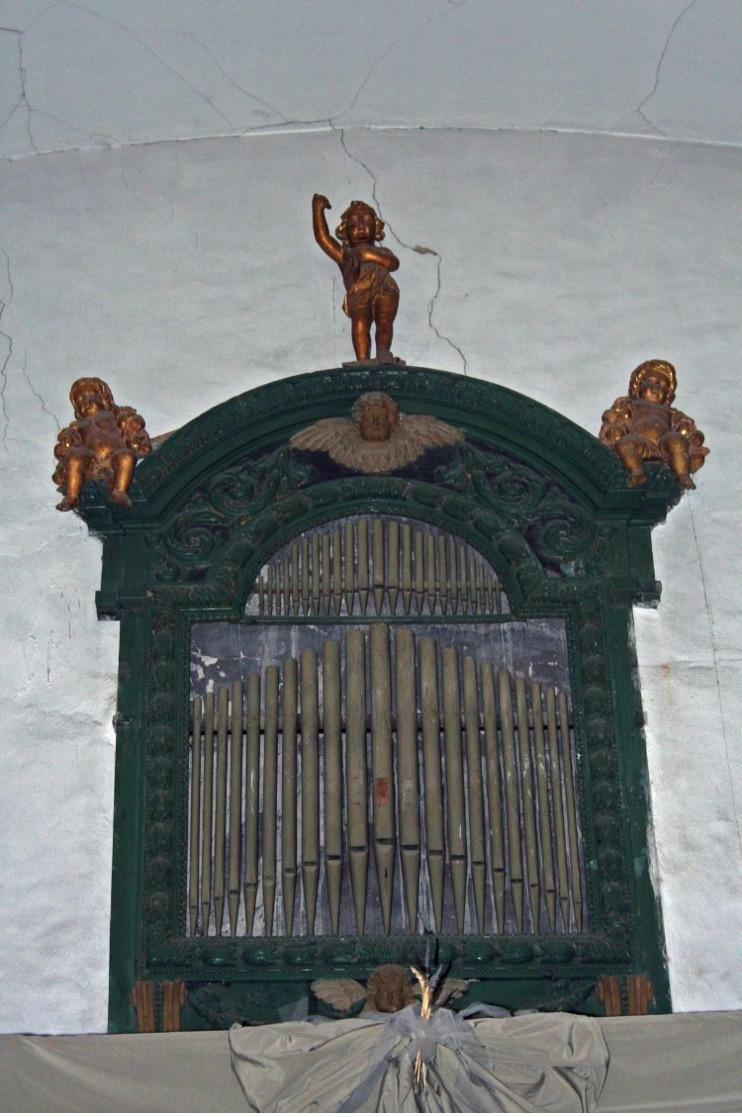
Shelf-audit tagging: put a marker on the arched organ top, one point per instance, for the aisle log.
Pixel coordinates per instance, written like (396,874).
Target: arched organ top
(407,700)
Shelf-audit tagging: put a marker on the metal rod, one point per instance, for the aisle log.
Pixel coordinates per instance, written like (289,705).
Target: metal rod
(382,767)
(194,898)
(477,842)
(270,795)
(434,842)
(357,791)
(333,772)
(235,806)
(289,792)
(252,799)
(408,785)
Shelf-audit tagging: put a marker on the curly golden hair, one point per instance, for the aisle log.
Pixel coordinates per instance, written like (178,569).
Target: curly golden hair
(359,207)
(654,368)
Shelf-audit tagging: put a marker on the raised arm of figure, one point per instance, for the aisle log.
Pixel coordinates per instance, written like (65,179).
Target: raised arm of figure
(322,235)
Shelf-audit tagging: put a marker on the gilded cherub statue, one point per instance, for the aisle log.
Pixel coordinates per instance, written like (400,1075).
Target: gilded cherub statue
(376,438)
(371,296)
(103,441)
(388,989)
(644,427)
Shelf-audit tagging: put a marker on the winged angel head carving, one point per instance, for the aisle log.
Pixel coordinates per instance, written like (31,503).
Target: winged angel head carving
(376,438)
(388,989)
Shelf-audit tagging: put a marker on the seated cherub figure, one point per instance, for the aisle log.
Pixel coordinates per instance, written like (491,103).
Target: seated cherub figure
(104,441)
(372,296)
(644,427)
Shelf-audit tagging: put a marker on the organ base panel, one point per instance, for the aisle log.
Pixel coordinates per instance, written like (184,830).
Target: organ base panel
(389,717)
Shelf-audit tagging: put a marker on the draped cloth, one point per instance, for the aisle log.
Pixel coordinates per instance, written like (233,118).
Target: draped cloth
(542,1063)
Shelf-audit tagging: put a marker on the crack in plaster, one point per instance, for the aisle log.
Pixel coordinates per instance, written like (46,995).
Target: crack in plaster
(235,84)
(653,90)
(4,302)
(712,636)
(22,102)
(161,61)
(409,247)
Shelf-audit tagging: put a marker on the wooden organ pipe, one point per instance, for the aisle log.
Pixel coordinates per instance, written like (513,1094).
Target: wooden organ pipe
(542,784)
(195,818)
(434,822)
(494,794)
(252,799)
(220,824)
(235,806)
(477,841)
(288,792)
(357,789)
(310,784)
(333,777)
(560,846)
(408,784)
(207,863)
(512,812)
(455,803)
(403,568)
(571,811)
(528,812)
(270,795)
(382,767)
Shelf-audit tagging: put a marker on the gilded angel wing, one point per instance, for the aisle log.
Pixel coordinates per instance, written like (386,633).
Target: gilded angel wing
(450,990)
(421,432)
(331,436)
(341,993)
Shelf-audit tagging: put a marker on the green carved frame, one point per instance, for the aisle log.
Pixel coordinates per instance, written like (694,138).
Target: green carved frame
(537,496)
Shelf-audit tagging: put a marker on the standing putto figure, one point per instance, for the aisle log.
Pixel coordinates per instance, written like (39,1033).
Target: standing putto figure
(371,296)
(104,441)
(644,427)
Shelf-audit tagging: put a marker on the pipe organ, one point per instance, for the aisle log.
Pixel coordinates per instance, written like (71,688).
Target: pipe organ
(378,767)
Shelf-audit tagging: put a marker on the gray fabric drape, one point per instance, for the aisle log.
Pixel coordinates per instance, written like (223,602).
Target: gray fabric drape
(543,1063)
(688,1062)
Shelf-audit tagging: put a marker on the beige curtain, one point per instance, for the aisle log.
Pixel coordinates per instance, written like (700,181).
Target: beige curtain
(688,1062)
(540,1063)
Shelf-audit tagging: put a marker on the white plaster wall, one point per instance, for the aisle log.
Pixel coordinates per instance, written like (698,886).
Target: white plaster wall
(186,272)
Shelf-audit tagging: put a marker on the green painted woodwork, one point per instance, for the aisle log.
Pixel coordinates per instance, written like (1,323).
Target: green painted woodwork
(542,500)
